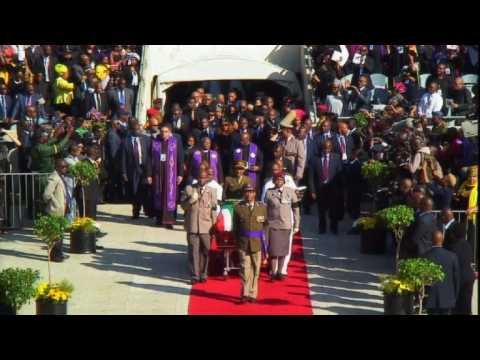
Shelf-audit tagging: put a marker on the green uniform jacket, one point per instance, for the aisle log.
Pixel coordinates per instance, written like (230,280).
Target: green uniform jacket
(233,188)
(245,220)
(43,155)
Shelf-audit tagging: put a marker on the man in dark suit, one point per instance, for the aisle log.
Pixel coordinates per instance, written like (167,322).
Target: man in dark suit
(181,124)
(306,135)
(363,64)
(420,240)
(354,183)
(442,296)
(121,99)
(194,113)
(113,162)
(448,226)
(91,191)
(137,167)
(6,104)
(461,247)
(324,182)
(45,64)
(319,138)
(343,143)
(361,97)
(97,100)
(205,130)
(30,98)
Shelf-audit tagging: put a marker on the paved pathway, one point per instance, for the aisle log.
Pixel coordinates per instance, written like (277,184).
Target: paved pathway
(143,269)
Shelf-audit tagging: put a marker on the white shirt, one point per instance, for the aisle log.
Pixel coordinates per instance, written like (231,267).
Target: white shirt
(270,185)
(447,225)
(46,62)
(430,103)
(134,78)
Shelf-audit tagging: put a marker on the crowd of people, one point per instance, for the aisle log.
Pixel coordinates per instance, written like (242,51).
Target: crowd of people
(75,103)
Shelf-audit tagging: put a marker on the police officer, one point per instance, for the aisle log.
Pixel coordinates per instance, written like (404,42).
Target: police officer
(44,152)
(199,202)
(249,223)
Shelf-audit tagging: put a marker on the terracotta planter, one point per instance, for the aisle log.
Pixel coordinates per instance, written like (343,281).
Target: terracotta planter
(82,242)
(398,304)
(51,308)
(373,241)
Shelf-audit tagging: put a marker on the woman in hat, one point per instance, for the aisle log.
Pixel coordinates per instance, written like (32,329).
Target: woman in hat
(281,202)
(63,89)
(233,189)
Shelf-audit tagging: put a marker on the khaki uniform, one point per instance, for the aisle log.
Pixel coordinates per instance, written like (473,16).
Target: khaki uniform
(200,218)
(233,188)
(249,246)
(295,152)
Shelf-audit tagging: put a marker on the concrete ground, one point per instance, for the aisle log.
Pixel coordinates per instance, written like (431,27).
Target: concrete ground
(143,269)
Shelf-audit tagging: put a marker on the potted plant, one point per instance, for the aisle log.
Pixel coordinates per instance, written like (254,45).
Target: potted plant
(52,298)
(372,235)
(375,172)
(17,287)
(84,173)
(398,295)
(398,219)
(420,272)
(82,235)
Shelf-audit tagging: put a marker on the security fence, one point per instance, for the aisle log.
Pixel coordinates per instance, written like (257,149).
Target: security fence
(20,198)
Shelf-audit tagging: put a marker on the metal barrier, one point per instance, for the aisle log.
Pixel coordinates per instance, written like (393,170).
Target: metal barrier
(20,198)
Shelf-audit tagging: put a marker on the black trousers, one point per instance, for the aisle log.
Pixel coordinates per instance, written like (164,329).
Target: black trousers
(328,201)
(57,250)
(464,300)
(354,198)
(139,200)
(439,311)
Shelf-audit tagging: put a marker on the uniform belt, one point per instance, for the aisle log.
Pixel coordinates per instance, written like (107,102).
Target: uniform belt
(258,233)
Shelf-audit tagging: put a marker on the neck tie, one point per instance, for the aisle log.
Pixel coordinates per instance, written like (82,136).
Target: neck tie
(4,106)
(342,144)
(136,153)
(99,104)
(325,168)
(29,101)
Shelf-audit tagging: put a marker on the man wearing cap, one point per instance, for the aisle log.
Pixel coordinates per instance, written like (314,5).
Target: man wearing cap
(294,148)
(249,221)
(44,152)
(234,185)
(199,202)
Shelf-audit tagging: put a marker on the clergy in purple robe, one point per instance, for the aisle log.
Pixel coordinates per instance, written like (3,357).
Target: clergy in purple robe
(210,156)
(250,152)
(167,173)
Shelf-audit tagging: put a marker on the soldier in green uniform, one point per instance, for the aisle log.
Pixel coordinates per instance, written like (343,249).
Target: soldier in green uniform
(45,151)
(233,189)
(249,222)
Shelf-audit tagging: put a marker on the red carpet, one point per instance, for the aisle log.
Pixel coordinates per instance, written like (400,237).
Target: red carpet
(288,297)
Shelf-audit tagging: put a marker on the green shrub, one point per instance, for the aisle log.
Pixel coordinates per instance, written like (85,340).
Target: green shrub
(17,286)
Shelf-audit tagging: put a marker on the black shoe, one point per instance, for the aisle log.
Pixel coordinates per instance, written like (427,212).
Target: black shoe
(243,300)
(194,281)
(280,277)
(203,281)
(273,278)
(135,217)
(169,227)
(58,259)
(251,300)
(99,247)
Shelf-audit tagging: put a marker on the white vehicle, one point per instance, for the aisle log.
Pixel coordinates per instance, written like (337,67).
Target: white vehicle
(172,72)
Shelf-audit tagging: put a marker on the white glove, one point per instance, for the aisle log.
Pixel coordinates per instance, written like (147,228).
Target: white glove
(194,197)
